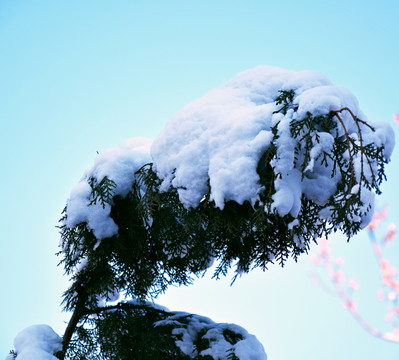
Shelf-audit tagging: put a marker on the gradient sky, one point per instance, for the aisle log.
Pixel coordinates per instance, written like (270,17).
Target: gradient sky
(77,77)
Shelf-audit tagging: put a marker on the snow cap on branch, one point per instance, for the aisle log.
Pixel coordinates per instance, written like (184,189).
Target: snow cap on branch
(118,165)
(306,137)
(38,342)
(222,338)
(216,142)
(221,136)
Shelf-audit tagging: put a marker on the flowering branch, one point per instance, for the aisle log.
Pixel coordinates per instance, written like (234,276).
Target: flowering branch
(345,289)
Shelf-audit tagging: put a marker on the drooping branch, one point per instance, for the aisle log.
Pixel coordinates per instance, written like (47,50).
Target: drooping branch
(125,306)
(348,138)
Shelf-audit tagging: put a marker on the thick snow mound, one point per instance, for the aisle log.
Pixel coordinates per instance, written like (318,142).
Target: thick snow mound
(222,135)
(215,143)
(38,342)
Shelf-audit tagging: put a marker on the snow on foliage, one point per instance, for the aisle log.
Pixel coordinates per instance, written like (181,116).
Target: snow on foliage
(182,335)
(215,145)
(219,139)
(118,165)
(37,342)
(200,336)
(222,136)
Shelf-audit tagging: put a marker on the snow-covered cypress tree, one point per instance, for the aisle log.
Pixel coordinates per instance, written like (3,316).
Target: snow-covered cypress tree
(245,176)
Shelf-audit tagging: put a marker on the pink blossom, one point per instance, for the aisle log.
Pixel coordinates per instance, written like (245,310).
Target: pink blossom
(390,234)
(392,336)
(339,261)
(353,284)
(350,305)
(377,218)
(388,271)
(396,119)
(323,248)
(339,276)
(315,260)
(388,317)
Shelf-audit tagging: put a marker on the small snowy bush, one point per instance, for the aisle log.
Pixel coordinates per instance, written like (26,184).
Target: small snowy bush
(137,330)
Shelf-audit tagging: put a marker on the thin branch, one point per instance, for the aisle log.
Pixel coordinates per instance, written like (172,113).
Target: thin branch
(357,120)
(124,305)
(349,148)
(355,117)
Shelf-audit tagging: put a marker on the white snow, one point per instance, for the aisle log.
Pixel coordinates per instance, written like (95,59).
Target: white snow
(37,342)
(218,139)
(188,327)
(385,137)
(221,136)
(287,198)
(119,164)
(247,347)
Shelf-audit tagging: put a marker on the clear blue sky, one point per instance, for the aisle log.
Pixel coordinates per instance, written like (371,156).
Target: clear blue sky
(77,77)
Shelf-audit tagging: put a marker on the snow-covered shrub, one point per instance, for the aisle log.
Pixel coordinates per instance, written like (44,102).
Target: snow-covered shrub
(246,175)
(249,173)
